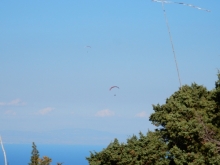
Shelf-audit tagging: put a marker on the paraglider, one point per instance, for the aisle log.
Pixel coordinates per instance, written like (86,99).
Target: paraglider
(112,88)
(88,47)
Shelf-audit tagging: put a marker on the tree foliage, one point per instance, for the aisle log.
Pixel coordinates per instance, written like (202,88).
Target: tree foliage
(188,133)
(36,160)
(34,155)
(44,161)
(142,150)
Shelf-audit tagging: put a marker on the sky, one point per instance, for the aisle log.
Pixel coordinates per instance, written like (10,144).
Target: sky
(58,60)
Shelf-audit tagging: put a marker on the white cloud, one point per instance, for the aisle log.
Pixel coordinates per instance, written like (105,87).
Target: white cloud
(16,102)
(142,114)
(104,113)
(45,111)
(10,112)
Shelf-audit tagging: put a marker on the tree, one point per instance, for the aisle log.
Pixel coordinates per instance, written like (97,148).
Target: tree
(188,133)
(189,125)
(143,150)
(36,160)
(35,155)
(44,161)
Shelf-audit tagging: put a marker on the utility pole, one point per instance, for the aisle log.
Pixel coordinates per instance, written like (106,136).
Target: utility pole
(3,151)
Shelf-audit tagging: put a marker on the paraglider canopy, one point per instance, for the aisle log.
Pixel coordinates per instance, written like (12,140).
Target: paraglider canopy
(114,87)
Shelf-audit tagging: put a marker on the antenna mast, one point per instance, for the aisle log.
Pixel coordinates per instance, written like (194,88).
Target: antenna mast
(168,27)
(171,41)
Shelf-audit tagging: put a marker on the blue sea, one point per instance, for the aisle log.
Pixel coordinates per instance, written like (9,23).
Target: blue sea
(20,154)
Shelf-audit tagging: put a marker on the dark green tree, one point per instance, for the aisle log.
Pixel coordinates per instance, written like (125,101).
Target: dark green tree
(188,133)
(189,125)
(34,155)
(143,150)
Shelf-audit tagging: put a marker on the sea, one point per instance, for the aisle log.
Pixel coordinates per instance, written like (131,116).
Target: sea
(20,154)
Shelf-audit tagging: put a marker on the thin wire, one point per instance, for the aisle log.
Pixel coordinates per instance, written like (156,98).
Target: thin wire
(165,16)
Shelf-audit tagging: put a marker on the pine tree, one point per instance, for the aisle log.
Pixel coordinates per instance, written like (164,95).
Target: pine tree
(35,155)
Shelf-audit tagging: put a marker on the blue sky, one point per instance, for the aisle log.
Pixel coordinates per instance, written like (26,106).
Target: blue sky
(50,79)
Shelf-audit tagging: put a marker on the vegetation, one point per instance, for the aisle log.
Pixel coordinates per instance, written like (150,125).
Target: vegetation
(36,160)
(188,133)
(34,155)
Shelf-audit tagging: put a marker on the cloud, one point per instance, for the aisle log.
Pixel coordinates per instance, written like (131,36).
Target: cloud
(104,113)
(45,111)
(16,102)
(142,114)
(10,112)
